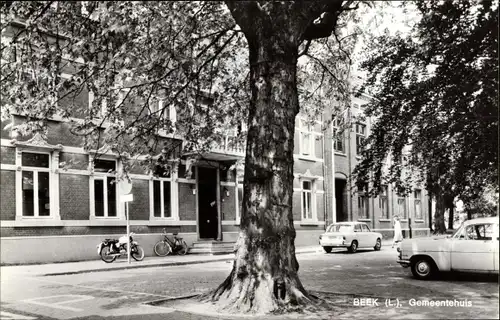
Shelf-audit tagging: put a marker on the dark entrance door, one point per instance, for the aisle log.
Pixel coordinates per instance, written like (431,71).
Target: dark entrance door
(340,198)
(207,203)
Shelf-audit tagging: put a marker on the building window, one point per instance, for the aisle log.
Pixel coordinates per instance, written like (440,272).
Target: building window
(306,138)
(162,193)
(105,191)
(417,195)
(338,137)
(363,208)
(157,107)
(360,137)
(384,202)
(35,186)
(308,200)
(401,207)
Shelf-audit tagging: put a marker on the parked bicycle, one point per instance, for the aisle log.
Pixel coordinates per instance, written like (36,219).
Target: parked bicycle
(166,246)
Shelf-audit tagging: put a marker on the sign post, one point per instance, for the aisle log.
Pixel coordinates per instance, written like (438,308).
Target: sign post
(126,196)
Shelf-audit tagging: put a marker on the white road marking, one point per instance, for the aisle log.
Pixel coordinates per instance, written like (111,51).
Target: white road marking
(60,304)
(4,315)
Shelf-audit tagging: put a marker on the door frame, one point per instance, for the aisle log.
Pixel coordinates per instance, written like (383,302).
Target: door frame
(197,202)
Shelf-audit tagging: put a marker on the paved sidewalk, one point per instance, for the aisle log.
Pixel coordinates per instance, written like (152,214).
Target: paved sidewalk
(52,269)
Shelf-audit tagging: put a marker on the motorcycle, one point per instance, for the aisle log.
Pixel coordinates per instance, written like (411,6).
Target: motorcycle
(110,249)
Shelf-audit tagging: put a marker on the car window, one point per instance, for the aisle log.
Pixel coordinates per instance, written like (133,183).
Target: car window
(365,228)
(340,228)
(459,234)
(357,228)
(481,231)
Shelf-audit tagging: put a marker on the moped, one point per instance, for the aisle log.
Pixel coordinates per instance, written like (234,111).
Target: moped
(110,249)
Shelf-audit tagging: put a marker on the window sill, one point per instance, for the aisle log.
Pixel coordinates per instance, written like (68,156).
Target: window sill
(309,223)
(419,221)
(306,158)
(384,220)
(365,220)
(403,220)
(338,153)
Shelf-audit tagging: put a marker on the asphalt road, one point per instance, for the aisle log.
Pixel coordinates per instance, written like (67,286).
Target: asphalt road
(367,274)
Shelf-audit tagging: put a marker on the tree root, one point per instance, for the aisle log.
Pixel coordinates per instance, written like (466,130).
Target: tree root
(256,295)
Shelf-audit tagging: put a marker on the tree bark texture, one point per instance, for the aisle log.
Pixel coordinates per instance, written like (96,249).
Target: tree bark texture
(439,223)
(264,276)
(450,206)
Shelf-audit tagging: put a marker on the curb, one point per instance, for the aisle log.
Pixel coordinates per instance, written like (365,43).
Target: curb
(152,265)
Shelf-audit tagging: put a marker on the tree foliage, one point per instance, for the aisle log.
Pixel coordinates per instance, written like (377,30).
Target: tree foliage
(435,102)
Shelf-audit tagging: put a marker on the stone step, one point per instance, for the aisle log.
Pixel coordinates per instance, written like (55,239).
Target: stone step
(212,247)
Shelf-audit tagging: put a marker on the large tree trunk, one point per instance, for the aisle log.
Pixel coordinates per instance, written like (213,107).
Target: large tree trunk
(439,225)
(264,276)
(451,212)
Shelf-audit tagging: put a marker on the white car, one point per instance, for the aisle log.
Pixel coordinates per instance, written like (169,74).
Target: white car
(350,235)
(473,248)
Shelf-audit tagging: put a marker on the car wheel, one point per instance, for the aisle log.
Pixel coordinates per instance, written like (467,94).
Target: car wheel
(422,268)
(353,247)
(327,249)
(378,245)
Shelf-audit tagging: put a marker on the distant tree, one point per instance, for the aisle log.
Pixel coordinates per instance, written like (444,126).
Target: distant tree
(240,56)
(436,103)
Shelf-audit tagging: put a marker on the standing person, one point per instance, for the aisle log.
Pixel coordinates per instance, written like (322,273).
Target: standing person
(398,233)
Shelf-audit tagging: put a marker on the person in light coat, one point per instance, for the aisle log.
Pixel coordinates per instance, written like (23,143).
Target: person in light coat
(398,233)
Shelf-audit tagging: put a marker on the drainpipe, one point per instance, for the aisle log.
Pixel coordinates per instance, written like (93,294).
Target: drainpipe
(325,180)
(349,153)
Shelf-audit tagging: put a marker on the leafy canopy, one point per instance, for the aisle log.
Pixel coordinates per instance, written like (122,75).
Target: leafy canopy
(435,100)
(130,55)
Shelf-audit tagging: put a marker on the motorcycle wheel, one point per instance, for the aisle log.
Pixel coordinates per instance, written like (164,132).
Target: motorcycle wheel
(183,249)
(162,248)
(106,256)
(137,253)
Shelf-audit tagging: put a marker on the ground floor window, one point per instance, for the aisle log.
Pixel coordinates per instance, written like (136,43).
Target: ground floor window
(401,207)
(162,199)
(363,204)
(35,184)
(308,200)
(36,193)
(105,189)
(105,196)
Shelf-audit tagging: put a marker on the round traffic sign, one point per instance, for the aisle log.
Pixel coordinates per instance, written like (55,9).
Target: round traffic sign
(125,186)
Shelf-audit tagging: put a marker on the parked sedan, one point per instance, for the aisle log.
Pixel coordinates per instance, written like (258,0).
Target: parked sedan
(350,235)
(473,248)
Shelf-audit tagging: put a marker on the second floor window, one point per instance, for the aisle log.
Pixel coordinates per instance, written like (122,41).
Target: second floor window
(338,137)
(360,137)
(417,195)
(306,138)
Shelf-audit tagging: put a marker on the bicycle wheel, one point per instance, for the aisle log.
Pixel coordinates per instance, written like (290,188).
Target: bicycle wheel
(162,248)
(183,249)
(137,253)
